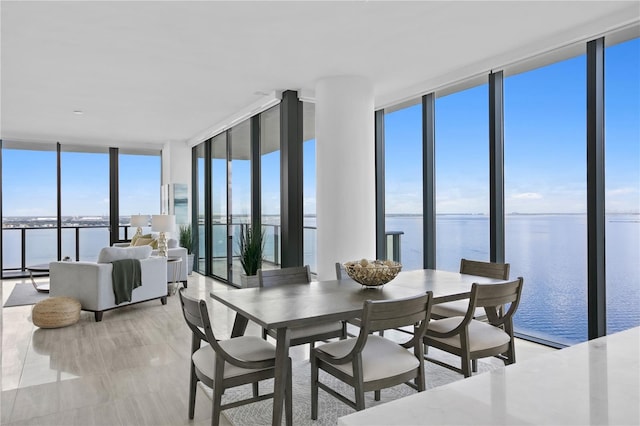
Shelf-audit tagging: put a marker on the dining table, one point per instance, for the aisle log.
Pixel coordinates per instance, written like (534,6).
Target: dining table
(282,308)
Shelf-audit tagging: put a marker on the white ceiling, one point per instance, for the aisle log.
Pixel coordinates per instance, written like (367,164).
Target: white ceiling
(150,72)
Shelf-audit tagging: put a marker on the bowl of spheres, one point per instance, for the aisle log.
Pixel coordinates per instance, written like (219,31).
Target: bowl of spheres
(372,273)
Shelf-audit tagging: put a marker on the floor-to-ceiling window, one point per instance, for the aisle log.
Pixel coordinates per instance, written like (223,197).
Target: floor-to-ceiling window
(545,198)
(622,184)
(219,261)
(29,206)
(270,183)
(199,204)
(84,193)
(403,183)
(462,177)
(139,180)
(240,178)
(310,231)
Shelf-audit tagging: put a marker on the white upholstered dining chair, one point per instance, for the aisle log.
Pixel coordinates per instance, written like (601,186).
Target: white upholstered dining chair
(499,271)
(471,339)
(370,363)
(224,364)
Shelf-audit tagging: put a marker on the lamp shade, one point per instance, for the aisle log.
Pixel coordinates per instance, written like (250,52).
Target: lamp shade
(163,222)
(139,220)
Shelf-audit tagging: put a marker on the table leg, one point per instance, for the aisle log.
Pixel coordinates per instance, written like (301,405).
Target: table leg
(280,381)
(239,326)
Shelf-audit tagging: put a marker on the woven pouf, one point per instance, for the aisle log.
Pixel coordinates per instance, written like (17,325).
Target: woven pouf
(56,312)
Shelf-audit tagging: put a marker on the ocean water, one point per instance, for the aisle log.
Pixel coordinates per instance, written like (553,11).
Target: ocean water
(548,251)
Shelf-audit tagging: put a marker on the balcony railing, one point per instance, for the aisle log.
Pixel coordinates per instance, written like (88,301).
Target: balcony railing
(24,246)
(273,244)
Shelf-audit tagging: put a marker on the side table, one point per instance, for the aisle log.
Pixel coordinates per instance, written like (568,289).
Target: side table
(40,287)
(176,261)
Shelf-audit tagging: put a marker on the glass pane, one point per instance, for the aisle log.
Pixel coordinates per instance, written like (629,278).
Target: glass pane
(545,198)
(29,202)
(200,175)
(139,183)
(462,177)
(622,180)
(403,183)
(219,265)
(240,153)
(270,181)
(85,198)
(310,230)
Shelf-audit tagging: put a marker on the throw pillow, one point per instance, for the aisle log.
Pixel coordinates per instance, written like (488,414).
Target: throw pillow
(135,238)
(143,242)
(109,254)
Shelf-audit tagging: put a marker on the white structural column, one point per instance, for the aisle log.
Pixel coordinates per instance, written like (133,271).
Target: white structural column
(345,158)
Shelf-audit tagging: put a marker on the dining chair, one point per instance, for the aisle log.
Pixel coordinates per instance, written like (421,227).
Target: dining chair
(224,364)
(305,334)
(471,339)
(369,362)
(471,267)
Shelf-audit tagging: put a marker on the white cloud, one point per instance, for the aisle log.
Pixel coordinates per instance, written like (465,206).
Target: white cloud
(527,196)
(620,191)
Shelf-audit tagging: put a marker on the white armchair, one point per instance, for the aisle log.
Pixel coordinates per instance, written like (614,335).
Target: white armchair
(92,285)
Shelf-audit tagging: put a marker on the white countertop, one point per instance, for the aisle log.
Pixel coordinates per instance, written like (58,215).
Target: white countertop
(596,382)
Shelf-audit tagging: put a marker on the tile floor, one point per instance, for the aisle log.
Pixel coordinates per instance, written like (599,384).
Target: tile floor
(130,369)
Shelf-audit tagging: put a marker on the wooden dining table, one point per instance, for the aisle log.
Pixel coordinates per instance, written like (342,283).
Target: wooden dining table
(282,308)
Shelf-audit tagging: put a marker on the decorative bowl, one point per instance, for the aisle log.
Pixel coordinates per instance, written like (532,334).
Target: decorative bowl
(372,273)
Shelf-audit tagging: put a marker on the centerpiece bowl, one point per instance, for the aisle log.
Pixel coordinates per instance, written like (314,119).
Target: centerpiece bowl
(372,273)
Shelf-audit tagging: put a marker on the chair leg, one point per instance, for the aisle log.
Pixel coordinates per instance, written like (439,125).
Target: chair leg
(217,403)
(474,365)
(288,397)
(256,391)
(376,395)
(360,397)
(193,382)
(466,366)
(264,334)
(314,387)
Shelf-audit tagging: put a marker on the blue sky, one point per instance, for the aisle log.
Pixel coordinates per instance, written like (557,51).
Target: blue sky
(545,154)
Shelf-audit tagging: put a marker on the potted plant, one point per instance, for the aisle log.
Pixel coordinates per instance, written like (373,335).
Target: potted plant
(251,247)
(186,241)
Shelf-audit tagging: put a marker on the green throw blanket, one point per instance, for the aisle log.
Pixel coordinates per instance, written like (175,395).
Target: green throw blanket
(126,276)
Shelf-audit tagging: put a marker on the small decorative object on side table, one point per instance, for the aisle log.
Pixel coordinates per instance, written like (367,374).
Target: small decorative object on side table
(372,273)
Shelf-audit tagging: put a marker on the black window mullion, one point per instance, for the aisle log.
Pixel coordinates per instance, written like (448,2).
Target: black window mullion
(596,278)
(291,180)
(496,168)
(114,198)
(429,180)
(381,252)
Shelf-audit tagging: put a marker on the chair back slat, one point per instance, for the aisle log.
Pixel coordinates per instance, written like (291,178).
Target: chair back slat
(497,294)
(494,297)
(191,313)
(276,277)
(383,315)
(485,269)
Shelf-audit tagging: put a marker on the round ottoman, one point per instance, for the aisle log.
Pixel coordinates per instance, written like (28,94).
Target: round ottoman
(56,312)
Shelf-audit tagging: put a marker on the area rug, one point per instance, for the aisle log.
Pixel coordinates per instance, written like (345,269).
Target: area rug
(329,408)
(24,294)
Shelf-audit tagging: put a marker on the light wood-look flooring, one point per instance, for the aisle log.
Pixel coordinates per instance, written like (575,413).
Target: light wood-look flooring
(130,369)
